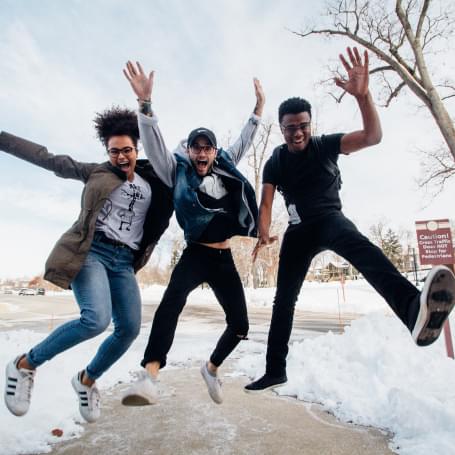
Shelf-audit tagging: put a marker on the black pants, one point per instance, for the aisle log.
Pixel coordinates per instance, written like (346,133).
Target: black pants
(331,232)
(197,265)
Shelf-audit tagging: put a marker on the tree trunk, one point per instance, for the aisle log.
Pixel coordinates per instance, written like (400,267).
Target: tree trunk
(443,120)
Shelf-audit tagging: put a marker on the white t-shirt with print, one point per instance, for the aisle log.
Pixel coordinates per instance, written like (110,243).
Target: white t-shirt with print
(123,214)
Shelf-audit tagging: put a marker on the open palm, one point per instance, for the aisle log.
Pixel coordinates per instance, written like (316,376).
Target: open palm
(358,73)
(141,84)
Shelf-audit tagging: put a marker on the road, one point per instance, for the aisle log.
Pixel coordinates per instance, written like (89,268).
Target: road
(45,312)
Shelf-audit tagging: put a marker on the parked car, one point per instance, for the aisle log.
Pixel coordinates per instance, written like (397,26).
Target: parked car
(40,291)
(27,291)
(7,291)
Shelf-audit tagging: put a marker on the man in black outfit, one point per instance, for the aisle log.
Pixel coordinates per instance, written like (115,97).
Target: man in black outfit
(304,170)
(213,202)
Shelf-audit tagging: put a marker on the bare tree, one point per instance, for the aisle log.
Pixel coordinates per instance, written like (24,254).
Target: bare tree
(378,232)
(404,40)
(260,150)
(261,272)
(437,167)
(395,244)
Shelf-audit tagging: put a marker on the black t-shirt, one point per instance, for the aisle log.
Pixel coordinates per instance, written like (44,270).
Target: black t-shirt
(223,224)
(307,179)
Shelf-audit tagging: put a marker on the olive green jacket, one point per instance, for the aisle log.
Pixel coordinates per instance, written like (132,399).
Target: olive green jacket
(70,251)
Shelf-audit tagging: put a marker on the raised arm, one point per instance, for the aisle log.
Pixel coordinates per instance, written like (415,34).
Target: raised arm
(265,219)
(160,157)
(62,165)
(243,143)
(357,86)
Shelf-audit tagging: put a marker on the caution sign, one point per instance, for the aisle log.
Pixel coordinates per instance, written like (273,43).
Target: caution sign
(435,242)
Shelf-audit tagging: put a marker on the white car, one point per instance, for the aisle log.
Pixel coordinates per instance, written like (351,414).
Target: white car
(27,291)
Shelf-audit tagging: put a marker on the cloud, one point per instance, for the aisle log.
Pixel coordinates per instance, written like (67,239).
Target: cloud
(43,99)
(53,207)
(25,247)
(61,62)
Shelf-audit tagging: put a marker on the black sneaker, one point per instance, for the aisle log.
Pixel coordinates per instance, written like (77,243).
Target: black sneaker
(265,383)
(436,302)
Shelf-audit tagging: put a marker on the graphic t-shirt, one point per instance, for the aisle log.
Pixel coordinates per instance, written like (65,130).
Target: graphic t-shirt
(123,214)
(309,185)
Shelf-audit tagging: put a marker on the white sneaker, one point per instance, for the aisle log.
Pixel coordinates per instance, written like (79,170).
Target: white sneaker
(436,302)
(142,392)
(89,399)
(213,384)
(18,388)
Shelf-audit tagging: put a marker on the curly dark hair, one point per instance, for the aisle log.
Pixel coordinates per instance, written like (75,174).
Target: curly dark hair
(116,121)
(293,106)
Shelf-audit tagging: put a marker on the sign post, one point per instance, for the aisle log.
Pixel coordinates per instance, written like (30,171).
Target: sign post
(434,240)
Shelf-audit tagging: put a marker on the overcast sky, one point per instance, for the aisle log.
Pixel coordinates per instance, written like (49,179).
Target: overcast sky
(60,62)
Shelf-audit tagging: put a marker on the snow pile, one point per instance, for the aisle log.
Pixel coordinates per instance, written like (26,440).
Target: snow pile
(375,375)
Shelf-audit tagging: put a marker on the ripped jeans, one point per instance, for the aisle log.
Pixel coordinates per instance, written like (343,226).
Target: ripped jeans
(200,264)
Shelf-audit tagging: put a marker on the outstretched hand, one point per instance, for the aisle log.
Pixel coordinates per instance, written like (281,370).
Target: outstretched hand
(141,84)
(260,97)
(261,243)
(358,73)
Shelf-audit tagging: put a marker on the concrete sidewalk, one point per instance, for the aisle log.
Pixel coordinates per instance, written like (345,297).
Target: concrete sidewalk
(186,422)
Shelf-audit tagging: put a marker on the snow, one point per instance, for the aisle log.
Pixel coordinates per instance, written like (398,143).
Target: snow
(372,374)
(375,375)
(356,297)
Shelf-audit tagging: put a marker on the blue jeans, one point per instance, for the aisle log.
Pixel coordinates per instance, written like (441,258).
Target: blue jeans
(104,288)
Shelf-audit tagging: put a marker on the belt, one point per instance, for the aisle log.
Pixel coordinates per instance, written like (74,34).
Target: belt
(102,237)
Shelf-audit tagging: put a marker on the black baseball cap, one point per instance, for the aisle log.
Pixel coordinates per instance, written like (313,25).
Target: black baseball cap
(201,132)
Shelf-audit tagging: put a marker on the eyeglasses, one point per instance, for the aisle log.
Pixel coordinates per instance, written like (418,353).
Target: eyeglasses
(291,129)
(196,148)
(124,151)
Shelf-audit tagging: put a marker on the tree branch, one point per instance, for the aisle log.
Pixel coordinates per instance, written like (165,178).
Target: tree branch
(394,93)
(422,17)
(402,71)
(436,169)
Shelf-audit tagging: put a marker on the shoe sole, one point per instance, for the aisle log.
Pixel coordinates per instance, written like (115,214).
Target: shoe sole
(136,400)
(437,301)
(274,386)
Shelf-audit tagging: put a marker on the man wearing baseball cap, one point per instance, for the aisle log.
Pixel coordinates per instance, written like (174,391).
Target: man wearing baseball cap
(213,201)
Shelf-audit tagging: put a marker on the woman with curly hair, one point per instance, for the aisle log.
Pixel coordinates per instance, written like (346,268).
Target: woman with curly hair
(124,210)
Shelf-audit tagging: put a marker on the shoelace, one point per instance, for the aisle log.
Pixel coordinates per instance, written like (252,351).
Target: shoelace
(142,375)
(216,377)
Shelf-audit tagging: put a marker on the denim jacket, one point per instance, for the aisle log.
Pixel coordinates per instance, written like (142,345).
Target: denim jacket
(192,216)
(177,172)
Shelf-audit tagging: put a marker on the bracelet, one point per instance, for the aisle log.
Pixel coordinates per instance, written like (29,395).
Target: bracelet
(146,108)
(144,101)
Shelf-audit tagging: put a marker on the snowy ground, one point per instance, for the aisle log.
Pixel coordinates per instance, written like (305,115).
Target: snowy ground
(356,297)
(372,374)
